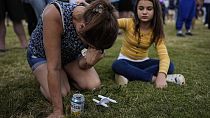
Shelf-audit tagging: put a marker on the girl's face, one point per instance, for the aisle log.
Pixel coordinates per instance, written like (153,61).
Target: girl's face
(145,10)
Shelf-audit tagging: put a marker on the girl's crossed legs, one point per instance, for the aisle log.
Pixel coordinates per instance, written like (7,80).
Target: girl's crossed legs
(143,71)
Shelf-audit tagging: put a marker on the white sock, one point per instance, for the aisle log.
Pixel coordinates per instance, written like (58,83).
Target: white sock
(179,32)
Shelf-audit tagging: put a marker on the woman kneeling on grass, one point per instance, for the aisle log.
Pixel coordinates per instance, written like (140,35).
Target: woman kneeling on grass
(141,32)
(56,48)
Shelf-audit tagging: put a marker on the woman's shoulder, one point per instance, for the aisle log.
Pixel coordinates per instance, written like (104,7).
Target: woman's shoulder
(50,11)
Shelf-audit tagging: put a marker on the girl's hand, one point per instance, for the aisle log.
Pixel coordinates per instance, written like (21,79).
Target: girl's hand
(160,81)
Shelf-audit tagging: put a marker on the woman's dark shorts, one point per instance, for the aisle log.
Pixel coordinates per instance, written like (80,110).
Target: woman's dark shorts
(34,61)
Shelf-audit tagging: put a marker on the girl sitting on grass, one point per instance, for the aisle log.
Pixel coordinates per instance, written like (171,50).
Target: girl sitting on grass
(145,29)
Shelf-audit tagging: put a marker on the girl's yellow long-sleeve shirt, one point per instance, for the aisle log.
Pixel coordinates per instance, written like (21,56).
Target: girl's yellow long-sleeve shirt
(137,49)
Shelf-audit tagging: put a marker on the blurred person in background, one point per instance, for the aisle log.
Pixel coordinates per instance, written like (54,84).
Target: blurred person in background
(33,10)
(39,5)
(115,3)
(125,8)
(163,8)
(207,14)
(171,10)
(198,13)
(30,16)
(15,11)
(186,13)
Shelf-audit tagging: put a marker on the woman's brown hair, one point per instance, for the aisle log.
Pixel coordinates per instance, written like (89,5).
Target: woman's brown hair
(156,23)
(101,27)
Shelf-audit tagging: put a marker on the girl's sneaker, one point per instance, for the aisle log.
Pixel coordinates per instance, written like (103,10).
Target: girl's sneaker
(121,80)
(176,78)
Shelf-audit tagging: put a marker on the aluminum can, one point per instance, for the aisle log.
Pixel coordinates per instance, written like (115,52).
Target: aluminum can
(77,104)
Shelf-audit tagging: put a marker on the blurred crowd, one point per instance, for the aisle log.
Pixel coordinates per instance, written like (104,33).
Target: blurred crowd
(180,12)
(184,13)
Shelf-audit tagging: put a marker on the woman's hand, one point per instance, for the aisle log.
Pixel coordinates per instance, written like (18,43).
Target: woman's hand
(93,56)
(160,81)
(90,58)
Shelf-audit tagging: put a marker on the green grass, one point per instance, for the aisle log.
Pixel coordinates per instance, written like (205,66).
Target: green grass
(20,95)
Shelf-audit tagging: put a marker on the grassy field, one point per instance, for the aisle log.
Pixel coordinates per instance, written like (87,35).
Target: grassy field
(20,96)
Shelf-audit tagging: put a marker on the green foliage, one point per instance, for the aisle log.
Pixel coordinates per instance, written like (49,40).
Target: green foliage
(20,95)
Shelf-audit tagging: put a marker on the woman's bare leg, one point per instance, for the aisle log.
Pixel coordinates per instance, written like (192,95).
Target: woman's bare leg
(41,75)
(84,79)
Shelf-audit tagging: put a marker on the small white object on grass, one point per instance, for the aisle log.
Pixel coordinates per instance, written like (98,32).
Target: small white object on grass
(104,100)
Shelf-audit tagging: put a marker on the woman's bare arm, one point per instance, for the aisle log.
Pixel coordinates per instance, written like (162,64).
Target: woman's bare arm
(52,30)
